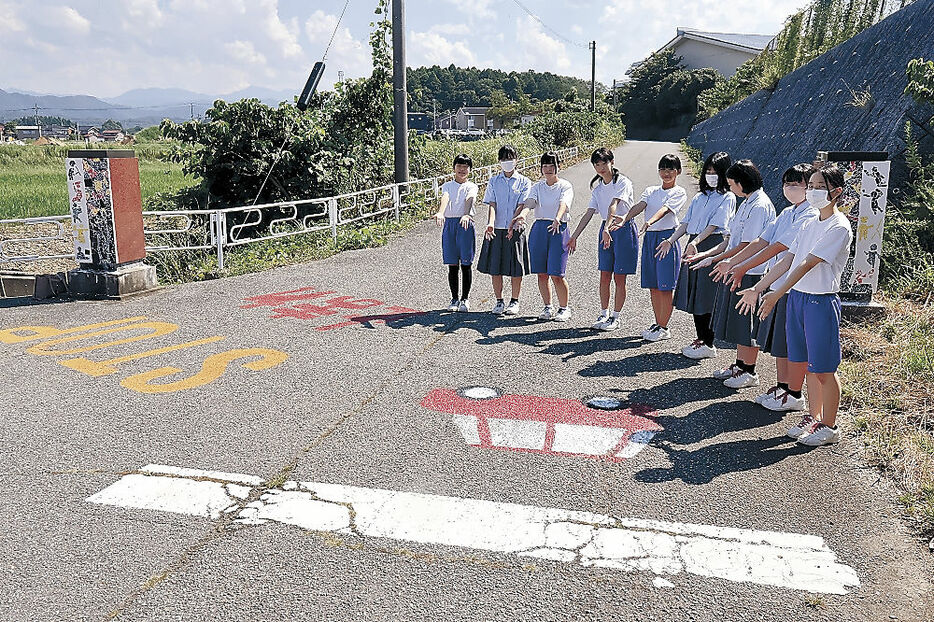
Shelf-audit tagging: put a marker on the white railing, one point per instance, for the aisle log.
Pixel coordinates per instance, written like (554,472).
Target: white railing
(220,229)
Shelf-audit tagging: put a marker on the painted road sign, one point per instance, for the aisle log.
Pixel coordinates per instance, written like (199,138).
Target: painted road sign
(603,427)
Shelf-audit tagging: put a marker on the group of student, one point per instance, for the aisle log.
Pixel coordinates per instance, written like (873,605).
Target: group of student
(762,282)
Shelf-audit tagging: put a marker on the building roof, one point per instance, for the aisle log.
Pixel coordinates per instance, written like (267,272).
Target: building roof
(733,40)
(475,109)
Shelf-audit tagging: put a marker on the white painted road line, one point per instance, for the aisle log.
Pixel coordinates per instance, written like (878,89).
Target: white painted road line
(788,560)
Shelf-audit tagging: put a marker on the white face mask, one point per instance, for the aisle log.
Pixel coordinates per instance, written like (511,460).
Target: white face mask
(818,198)
(795,194)
(712,180)
(508,166)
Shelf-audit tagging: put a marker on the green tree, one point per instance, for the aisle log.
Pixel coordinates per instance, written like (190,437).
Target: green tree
(110,124)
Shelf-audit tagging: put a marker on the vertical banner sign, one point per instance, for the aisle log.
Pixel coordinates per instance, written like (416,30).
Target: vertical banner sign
(868,234)
(78,202)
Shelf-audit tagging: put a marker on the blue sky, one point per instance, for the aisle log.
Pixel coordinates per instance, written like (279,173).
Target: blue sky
(106,47)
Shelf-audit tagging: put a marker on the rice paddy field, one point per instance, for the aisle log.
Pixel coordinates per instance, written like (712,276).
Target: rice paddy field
(32,178)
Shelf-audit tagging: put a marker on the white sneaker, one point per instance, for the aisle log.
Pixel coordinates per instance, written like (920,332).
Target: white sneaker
(659,334)
(602,319)
(700,351)
(499,308)
(546,314)
(610,324)
(512,308)
(767,395)
(563,315)
(741,380)
(820,435)
(648,331)
(464,306)
(785,402)
(455,305)
(803,427)
(726,372)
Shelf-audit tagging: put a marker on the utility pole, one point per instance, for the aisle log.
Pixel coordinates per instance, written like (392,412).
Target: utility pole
(593,76)
(340,76)
(191,109)
(614,93)
(434,114)
(400,105)
(38,125)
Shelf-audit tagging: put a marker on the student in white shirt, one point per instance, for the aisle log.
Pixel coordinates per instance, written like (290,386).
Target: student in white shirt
(617,253)
(706,223)
(551,200)
(815,266)
(769,249)
(662,206)
(750,220)
(458,240)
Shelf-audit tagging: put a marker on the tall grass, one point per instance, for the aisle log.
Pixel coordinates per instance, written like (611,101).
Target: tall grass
(32,179)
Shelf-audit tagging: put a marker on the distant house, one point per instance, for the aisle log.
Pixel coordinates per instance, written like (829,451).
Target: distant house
(469,118)
(722,51)
(422,121)
(92,135)
(61,132)
(113,136)
(27,132)
(447,121)
(526,119)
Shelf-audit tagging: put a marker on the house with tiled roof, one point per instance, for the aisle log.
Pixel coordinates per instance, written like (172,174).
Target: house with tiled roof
(723,51)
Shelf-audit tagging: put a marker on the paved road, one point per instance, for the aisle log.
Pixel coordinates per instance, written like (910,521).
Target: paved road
(335,476)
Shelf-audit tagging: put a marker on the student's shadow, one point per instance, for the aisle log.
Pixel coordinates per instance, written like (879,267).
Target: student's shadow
(634,365)
(678,392)
(713,420)
(703,465)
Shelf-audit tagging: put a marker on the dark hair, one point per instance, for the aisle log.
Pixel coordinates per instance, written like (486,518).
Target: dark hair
(670,160)
(463,158)
(833,176)
(602,155)
(798,173)
(507,152)
(550,157)
(745,173)
(719,162)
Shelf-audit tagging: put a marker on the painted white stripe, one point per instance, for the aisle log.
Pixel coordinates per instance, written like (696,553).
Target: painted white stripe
(637,442)
(517,434)
(467,424)
(586,439)
(786,560)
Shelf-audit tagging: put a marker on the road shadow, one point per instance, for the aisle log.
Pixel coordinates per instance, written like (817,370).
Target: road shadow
(634,365)
(677,392)
(29,301)
(703,465)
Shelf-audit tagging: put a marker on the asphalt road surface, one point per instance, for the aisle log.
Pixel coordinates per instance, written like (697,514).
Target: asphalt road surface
(227,451)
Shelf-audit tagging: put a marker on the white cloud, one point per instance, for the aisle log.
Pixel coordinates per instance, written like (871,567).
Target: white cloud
(347,54)
(540,51)
(245,52)
(284,34)
(429,48)
(70,19)
(145,12)
(457,30)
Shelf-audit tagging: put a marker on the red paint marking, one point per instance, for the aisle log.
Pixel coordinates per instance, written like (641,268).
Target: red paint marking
(278,298)
(333,306)
(549,410)
(356,320)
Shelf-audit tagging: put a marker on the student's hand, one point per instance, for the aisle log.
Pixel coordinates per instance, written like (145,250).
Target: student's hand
(466,221)
(690,250)
(572,244)
(614,224)
(517,223)
(747,301)
(439,218)
(554,227)
(489,234)
(720,271)
(768,303)
(703,263)
(693,258)
(643,229)
(662,250)
(606,238)
(735,278)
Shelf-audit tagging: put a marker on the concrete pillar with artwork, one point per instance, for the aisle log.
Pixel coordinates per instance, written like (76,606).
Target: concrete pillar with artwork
(864,200)
(107,214)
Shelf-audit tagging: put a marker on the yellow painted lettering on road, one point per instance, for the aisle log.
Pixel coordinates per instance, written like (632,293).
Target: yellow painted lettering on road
(212,368)
(10,335)
(158,329)
(108,367)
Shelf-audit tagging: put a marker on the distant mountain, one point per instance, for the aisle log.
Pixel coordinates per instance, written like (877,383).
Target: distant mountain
(159,97)
(267,96)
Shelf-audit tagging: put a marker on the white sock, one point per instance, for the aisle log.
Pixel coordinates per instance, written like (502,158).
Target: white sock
(615,314)
(606,312)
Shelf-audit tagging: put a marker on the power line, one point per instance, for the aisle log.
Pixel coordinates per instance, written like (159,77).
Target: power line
(333,34)
(547,27)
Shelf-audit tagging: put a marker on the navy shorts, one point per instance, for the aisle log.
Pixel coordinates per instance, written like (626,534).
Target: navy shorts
(623,253)
(812,331)
(548,252)
(660,274)
(458,245)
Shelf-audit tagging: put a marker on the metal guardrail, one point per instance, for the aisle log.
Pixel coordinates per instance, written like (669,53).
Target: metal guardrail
(220,229)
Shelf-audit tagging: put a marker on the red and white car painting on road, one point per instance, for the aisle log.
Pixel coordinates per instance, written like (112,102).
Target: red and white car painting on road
(603,427)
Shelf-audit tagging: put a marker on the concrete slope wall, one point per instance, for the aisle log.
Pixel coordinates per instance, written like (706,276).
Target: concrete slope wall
(811,110)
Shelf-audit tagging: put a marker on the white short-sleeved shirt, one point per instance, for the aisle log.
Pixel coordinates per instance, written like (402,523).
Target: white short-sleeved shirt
(710,208)
(656,198)
(508,193)
(548,199)
(459,193)
(785,229)
(828,240)
(750,220)
(603,194)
